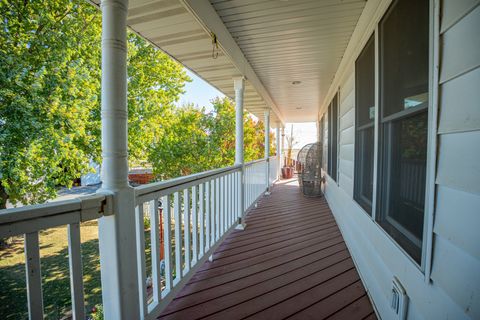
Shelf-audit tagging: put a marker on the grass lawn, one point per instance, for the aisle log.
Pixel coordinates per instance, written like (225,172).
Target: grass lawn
(55,273)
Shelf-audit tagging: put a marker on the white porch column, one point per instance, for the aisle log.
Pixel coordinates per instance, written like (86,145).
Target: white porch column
(117,232)
(239,85)
(267,148)
(282,154)
(277,135)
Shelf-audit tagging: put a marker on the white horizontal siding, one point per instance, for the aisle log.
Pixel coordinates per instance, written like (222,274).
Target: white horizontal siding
(453,292)
(346,183)
(347,103)
(379,259)
(456,256)
(459,161)
(460,47)
(347,136)
(458,274)
(454,10)
(460,114)
(347,152)
(346,168)
(347,86)
(348,119)
(458,219)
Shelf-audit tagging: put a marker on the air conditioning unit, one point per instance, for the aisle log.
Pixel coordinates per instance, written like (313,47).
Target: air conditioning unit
(399,300)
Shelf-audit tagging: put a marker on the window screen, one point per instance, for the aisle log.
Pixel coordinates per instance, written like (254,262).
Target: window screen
(404,35)
(332,138)
(364,118)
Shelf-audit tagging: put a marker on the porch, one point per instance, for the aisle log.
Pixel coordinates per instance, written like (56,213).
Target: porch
(290,262)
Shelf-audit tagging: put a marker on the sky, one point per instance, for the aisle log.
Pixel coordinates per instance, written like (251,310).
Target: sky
(303,132)
(200,93)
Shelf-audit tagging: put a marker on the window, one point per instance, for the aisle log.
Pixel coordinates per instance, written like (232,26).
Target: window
(403,40)
(364,118)
(324,142)
(332,138)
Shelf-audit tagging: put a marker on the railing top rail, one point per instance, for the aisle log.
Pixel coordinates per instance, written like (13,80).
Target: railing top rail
(254,161)
(87,203)
(178,182)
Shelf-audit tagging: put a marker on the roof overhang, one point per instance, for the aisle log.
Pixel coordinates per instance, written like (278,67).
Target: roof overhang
(288,51)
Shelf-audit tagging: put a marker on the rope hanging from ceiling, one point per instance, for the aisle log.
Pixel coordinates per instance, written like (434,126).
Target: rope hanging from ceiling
(214,46)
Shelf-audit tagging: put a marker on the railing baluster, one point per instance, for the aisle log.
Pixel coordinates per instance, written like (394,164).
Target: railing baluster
(202,219)
(76,274)
(178,238)
(212,212)
(221,193)
(236,204)
(34,276)
(167,242)
(194,226)
(217,209)
(186,229)
(140,239)
(208,216)
(155,248)
(230,202)
(225,204)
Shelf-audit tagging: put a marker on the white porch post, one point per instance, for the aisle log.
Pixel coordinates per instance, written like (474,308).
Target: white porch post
(282,155)
(277,134)
(239,85)
(267,148)
(116,232)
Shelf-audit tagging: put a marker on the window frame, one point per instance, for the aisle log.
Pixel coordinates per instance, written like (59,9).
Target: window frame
(366,204)
(380,124)
(332,166)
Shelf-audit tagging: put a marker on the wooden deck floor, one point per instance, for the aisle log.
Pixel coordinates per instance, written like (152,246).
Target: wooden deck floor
(290,262)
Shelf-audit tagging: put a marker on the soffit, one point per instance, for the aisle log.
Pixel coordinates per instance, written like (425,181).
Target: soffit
(286,41)
(168,25)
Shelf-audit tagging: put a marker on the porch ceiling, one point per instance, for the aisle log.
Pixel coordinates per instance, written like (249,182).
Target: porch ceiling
(296,40)
(271,42)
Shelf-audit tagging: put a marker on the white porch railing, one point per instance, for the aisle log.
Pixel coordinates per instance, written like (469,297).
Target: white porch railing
(198,211)
(255,181)
(273,162)
(189,217)
(30,220)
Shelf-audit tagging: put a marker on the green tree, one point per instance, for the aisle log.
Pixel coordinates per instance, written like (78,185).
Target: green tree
(50,95)
(180,150)
(196,141)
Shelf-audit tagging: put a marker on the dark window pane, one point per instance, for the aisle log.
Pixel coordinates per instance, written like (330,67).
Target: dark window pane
(404,123)
(365,112)
(404,177)
(404,56)
(365,84)
(332,137)
(364,168)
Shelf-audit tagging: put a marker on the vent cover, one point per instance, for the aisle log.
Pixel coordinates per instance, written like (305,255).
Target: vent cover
(399,300)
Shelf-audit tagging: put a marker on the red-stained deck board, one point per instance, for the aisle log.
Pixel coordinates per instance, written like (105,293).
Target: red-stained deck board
(290,262)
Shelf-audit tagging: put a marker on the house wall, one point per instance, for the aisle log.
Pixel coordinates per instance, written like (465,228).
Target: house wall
(449,286)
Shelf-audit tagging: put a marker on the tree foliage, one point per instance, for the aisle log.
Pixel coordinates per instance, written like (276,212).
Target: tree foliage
(50,54)
(196,141)
(50,95)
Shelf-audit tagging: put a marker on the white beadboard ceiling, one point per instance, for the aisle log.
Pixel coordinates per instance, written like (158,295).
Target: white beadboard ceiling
(282,41)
